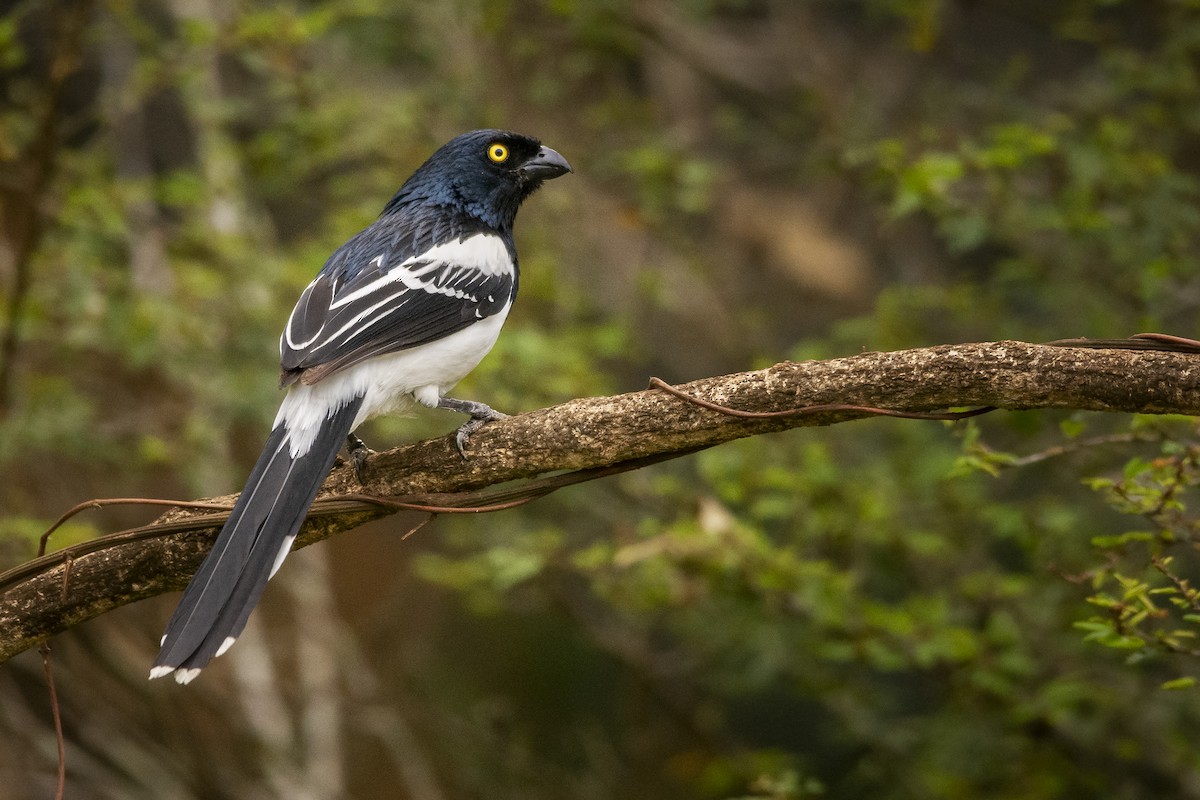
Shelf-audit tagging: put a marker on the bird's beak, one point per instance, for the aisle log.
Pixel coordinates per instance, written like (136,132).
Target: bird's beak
(545,165)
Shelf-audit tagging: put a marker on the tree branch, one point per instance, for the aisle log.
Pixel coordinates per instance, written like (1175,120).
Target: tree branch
(588,438)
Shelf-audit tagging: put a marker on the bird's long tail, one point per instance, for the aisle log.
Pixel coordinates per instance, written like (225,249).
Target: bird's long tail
(253,543)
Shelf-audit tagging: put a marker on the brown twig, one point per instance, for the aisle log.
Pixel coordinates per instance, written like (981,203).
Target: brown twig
(1162,342)
(1182,343)
(1188,594)
(59,741)
(117,501)
(66,579)
(435,510)
(1075,445)
(418,526)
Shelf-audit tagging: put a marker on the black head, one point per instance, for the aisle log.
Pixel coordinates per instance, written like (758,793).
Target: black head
(485,173)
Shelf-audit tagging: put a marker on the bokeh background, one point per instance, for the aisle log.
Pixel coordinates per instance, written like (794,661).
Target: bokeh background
(886,609)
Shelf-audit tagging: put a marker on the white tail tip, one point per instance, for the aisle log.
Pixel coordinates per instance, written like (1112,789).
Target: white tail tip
(185,676)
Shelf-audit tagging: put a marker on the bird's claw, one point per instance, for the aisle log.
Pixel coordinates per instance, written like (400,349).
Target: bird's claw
(359,453)
(463,435)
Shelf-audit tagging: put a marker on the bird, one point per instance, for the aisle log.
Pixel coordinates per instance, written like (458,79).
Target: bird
(397,316)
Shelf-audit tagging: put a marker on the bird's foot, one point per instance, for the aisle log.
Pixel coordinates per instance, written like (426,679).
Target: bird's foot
(463,435)
(359,453)
(481,414)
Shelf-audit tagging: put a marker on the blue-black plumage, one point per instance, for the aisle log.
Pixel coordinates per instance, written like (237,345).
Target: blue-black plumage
(397,316)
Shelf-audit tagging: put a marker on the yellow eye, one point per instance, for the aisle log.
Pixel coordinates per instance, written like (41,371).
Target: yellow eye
(497,152)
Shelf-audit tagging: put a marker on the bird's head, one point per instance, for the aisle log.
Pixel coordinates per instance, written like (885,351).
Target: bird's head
(487,173)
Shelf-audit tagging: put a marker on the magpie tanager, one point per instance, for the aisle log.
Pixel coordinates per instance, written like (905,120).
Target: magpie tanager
(396,317)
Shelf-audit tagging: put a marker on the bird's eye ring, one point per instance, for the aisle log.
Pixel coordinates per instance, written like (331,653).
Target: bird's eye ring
(497,152)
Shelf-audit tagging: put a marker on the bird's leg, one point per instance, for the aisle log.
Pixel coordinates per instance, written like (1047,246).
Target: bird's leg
(481,414)
(359,452)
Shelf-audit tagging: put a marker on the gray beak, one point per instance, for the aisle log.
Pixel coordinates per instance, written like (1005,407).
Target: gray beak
(545,165)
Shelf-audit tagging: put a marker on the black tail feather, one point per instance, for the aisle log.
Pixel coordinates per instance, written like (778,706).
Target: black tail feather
(260,529)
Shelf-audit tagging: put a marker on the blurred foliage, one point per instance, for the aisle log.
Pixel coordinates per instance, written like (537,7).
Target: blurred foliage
(886,609)
(1151,610)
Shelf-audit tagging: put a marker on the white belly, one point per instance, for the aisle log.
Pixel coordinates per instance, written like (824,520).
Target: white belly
(388,383)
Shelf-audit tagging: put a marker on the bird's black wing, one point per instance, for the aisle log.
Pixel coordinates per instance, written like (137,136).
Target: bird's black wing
(354,311)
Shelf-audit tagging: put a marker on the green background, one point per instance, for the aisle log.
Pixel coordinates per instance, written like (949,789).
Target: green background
(885,609)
